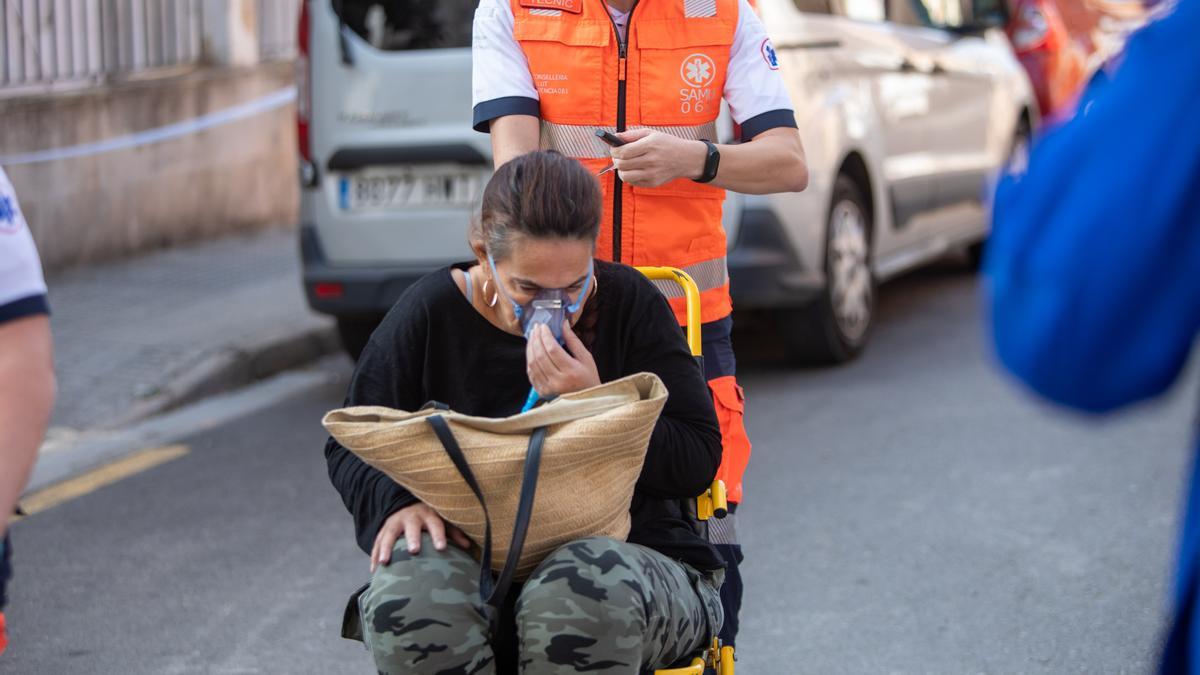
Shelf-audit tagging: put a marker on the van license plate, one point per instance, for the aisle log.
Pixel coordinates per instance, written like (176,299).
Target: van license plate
(381,190)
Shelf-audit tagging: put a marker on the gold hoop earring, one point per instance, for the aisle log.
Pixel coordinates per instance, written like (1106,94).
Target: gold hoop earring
(495,294)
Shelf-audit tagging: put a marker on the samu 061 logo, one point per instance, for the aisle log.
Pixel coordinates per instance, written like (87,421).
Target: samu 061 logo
(697,72)
(10,219)
(768,54)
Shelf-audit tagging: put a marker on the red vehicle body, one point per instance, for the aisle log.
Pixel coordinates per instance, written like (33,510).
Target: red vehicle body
(1053,42)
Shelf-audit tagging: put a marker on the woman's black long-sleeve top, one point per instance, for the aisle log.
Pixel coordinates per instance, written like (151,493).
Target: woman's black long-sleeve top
(434,346)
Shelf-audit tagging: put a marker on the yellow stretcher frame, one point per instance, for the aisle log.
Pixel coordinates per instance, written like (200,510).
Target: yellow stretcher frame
(690,291)
(713,502)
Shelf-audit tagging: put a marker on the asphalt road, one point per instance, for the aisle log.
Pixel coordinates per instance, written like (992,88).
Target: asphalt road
(910,513)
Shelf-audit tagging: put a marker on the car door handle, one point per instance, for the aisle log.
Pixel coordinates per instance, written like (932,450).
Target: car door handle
(907,66)
(815,44)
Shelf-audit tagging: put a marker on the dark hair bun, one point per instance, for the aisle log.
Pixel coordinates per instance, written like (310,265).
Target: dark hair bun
(543,195)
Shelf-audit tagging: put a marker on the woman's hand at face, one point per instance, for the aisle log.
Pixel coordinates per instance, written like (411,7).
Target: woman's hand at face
(554,371)
(409,522)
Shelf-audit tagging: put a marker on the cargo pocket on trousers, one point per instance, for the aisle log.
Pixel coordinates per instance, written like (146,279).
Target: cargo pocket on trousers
(730,403)
(707,586)
(352,618)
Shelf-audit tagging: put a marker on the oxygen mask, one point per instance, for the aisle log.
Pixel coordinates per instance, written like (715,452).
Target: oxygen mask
(549,307)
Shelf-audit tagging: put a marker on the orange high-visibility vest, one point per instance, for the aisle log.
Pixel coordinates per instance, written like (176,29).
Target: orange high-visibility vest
(668,77)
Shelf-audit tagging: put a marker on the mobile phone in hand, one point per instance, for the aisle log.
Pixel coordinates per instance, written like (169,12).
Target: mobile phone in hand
(610,138)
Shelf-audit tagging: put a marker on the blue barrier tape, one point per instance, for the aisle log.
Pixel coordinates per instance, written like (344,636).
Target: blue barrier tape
(257,106)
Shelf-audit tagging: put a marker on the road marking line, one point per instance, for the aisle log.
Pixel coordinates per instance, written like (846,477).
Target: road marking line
(95,479)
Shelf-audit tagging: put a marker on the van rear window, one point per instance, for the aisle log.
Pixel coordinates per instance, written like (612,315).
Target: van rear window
(398,25)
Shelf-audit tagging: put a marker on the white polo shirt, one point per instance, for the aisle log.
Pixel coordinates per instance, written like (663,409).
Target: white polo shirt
(22,287)
(502,84)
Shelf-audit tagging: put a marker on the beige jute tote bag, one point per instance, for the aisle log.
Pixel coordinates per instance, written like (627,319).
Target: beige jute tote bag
(595,444)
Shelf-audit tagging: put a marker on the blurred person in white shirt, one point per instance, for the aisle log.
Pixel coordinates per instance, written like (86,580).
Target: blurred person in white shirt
(27,382)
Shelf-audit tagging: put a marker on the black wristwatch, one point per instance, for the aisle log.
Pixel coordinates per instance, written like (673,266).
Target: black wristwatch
(711,162)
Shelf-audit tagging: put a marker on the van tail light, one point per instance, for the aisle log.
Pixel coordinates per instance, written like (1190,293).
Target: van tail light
(303,87)
(1031,28)
(328,290)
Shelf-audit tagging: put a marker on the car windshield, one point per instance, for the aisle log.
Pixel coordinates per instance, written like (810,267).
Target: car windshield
(397,25)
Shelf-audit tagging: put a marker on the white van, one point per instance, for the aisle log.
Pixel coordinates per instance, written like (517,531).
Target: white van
(906,107)
(391,170)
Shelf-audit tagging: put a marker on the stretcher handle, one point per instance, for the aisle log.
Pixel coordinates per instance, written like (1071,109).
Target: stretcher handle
(690,291)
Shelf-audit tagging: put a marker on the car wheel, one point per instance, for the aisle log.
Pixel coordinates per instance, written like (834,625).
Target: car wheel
(355,331)
(1018,162)
(834,328)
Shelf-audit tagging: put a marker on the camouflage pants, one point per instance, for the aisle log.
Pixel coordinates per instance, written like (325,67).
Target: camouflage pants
(595,605)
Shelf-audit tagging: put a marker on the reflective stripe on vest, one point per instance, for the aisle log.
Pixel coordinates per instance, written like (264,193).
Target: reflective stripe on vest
(579,141)
(694,9)
(708,275)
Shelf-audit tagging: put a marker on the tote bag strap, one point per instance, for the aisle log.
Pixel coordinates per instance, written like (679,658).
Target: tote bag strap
(494,592)
(533,461)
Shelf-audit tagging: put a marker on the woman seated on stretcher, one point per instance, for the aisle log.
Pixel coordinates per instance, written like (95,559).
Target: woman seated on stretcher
(596,605)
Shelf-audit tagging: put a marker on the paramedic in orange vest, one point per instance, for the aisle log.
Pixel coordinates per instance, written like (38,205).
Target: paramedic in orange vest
(550,73)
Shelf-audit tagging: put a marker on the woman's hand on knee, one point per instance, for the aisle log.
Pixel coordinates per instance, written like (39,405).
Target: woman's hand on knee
(554,370)
(409,522)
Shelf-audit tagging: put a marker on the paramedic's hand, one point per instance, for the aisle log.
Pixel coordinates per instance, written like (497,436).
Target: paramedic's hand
(553,370)
(652,158)
(409,522)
